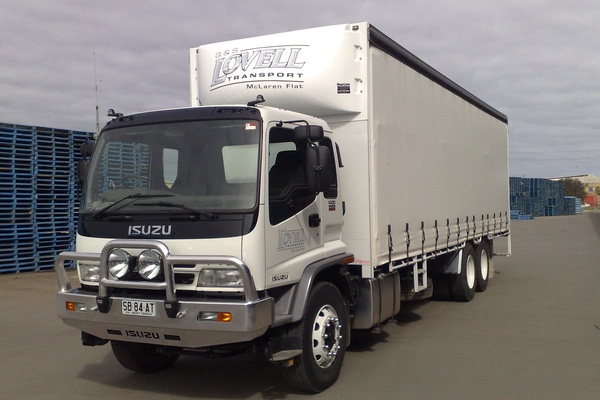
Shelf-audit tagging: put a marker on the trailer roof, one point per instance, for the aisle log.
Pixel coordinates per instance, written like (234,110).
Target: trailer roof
(385,43)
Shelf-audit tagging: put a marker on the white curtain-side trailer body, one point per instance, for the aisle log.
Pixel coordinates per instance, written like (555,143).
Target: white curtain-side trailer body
(425,162)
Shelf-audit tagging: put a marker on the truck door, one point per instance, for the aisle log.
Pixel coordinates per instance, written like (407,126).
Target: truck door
(293,229)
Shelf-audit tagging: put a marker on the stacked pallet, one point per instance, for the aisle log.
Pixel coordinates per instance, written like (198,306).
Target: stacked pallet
(516,214)
(553,196)
(538,197)
(38,195)
(17,199)
(573,205)
(519,197)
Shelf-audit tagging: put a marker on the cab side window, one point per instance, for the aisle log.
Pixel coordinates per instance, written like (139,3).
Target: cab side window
(288,190)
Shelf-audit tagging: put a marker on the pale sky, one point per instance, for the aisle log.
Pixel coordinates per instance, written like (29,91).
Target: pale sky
(536,61)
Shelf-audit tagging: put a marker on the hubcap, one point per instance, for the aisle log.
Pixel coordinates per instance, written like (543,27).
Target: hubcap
(484,264)
(470,271)
(326,337)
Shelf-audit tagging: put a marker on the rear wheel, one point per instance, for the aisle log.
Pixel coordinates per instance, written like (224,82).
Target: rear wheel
(482,265)
(323,336)
(140,357)
(463,284)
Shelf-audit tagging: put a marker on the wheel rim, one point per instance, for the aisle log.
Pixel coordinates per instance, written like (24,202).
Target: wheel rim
(326,337)
(470,271)
(483,259)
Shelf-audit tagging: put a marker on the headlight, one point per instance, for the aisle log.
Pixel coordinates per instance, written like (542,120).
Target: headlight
(149,264)
(220,278)
(88,272)
(118,263)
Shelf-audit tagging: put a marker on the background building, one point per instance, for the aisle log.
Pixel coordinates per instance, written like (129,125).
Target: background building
(592,186)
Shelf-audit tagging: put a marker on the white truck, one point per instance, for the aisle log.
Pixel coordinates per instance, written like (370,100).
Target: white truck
(319,178)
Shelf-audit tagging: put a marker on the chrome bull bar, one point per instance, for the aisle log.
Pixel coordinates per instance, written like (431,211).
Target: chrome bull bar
(169,261)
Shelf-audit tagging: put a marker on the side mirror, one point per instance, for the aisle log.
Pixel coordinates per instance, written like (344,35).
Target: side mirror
(82,170)
(87,148)
(310,133)
(318,168)
(83,166)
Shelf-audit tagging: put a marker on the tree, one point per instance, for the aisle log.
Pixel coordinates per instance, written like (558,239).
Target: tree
(574,187)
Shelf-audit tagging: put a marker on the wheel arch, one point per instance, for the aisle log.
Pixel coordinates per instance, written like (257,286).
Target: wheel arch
(453,264)
(332,269)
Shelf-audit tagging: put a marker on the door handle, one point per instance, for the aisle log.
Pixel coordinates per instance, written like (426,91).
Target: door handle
(314,220)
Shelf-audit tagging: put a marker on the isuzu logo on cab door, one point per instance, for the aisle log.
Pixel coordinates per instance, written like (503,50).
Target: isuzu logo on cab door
(149,230)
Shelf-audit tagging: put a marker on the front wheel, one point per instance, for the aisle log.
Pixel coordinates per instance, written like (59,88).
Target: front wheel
(140,357)
(323,336)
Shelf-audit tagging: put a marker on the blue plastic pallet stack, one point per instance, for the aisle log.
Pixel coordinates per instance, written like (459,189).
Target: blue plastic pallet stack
(573,205)
(17,199)
(38,199)
(516,214)
(554,195)
(519,196)
(536,197)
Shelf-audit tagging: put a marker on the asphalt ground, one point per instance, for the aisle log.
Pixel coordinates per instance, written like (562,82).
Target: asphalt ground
(534,334)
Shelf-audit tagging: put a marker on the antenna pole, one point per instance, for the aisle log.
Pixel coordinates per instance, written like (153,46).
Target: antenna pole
(96,85)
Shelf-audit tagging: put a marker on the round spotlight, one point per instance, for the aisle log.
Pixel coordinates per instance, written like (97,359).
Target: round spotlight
(149,264)
(118,263)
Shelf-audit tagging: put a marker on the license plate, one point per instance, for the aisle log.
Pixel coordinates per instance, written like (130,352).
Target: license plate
(137,307)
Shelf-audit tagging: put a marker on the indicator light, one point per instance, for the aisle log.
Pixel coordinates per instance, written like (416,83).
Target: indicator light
(73,306)
(215,316)
(224,317)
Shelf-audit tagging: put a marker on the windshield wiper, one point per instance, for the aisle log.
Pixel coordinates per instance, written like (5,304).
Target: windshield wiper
(183,207)
(101,213)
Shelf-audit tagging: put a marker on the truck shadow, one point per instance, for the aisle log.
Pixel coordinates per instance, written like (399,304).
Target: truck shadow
(408,312)
(196,377)
(365,341)
(237,377)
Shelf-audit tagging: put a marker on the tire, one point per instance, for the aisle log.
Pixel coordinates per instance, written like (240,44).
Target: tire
(323,337)
(140,357)
(463,284)
(482,265)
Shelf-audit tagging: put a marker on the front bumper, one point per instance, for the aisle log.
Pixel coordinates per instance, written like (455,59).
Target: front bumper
(176,322)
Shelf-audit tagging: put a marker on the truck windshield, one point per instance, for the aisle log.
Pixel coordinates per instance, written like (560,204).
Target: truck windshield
(200,165)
